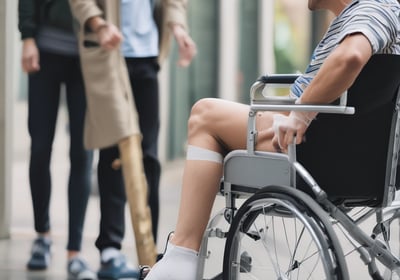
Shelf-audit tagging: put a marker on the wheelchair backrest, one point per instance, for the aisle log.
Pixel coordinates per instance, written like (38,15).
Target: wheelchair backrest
(351,156)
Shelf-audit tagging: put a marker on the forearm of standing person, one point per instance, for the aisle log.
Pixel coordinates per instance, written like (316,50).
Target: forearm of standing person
(30,56)
(186,45)
(176,20)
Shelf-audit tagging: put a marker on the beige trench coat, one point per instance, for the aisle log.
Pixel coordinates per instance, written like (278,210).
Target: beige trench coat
(111,114)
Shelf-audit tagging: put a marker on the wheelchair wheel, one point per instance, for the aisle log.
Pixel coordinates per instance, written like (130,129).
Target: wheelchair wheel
(281,233)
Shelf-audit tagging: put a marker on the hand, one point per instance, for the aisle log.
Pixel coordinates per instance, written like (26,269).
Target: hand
(109,36)
(291,127)
(187,47)
(30,56)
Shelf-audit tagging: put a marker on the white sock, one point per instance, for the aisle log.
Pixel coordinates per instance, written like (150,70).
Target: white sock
(178,263)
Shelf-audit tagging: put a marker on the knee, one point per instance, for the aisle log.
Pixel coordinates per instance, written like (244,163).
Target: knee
(201,115)
(41,151)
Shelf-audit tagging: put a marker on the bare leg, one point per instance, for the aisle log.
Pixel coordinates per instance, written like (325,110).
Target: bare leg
(218,126)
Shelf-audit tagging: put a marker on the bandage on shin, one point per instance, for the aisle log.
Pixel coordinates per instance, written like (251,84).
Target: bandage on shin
(197,153)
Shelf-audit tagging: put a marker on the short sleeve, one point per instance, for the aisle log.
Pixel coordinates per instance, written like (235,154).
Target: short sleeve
(376,21)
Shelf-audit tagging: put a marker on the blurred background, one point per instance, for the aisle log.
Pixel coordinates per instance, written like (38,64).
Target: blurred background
(237,41)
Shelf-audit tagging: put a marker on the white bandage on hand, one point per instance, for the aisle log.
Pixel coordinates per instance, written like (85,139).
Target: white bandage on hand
(294,125)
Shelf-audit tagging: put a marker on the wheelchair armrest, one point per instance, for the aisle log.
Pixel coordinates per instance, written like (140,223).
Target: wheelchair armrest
(278,79)
(331,109)
(261,102)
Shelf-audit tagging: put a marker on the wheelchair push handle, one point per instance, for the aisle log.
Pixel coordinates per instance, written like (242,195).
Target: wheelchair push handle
(262,102)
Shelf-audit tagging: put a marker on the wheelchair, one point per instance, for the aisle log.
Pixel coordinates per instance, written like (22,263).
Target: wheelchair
(284,214)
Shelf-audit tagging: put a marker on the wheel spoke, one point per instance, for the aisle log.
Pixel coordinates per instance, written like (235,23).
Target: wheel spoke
(274,240)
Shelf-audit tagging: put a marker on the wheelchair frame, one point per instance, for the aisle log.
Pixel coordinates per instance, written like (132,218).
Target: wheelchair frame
(281,170)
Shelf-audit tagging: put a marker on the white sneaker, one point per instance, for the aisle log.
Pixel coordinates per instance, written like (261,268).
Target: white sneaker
(79,270)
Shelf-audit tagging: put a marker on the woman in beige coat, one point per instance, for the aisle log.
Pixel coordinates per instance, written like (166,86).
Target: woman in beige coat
(111,118)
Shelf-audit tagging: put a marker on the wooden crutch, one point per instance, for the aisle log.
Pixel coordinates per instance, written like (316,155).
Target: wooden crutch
(131,155)
(136,192)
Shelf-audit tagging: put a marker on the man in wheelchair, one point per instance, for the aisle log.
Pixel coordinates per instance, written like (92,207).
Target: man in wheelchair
(361,29)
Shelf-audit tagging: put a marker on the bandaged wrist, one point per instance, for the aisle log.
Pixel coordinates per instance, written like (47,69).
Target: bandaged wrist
(304,116)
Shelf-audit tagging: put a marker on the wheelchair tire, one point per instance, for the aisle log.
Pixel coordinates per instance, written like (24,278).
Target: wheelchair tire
(281,233)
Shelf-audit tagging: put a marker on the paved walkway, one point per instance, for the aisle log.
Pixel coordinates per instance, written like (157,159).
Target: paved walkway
(14,252)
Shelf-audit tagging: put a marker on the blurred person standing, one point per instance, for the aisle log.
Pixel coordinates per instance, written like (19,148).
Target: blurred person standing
(108,79)
(50,57)
(140,47)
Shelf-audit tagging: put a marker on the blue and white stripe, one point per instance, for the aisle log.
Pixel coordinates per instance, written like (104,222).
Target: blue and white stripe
(378,20)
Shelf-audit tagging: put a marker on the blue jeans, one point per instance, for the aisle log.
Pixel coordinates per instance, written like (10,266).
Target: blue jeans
(43,103)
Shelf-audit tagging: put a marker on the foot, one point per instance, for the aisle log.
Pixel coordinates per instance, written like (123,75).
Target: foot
(40,254)
(79,270)
(117,268)
(178,263)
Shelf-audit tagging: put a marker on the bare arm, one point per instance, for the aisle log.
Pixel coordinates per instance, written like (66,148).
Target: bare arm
(187,47)
(339,70)
(30,56)
(336,75)
(176,18)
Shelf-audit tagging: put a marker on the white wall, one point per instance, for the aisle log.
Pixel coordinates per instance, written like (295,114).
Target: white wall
(8,19)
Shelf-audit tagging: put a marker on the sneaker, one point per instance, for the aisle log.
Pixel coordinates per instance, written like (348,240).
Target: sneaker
(40,254)
(79,270)
(117,268)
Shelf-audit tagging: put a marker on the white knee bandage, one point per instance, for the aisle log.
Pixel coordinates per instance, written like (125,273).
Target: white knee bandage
(197,153)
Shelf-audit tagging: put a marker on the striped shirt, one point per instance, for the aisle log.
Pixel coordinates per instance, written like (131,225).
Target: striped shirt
(377,20)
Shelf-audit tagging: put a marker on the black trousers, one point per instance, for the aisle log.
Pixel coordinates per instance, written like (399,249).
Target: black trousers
(43,103)
(144,81)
